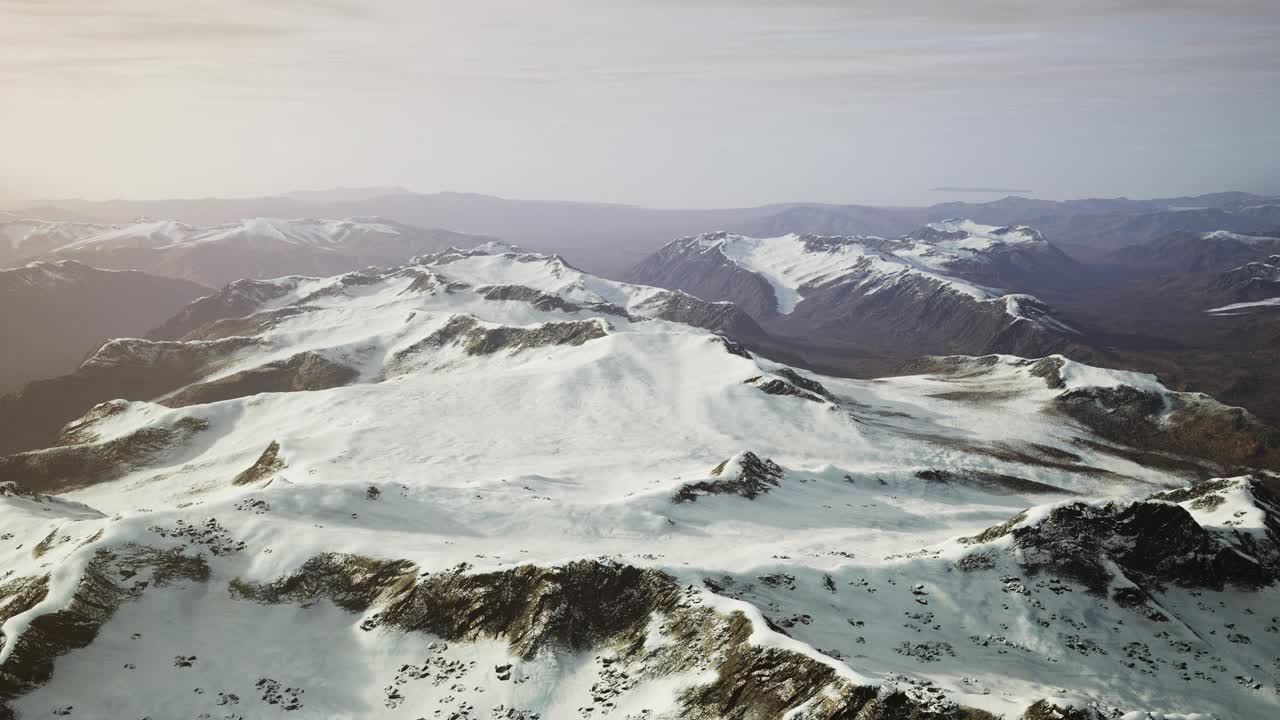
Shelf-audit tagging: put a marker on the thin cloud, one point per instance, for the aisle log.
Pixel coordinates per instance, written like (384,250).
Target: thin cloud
(995,12)
(980,189)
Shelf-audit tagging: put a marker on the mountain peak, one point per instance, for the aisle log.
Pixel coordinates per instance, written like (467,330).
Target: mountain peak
(957,257)
(963,228)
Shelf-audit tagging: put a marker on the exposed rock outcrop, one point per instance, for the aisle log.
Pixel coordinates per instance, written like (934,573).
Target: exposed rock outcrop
(987,481)
(1154,543)
(474,338)
(720,317)
(236,300)
(62,468)
(302,372)
(732,347)
(247,326)
(778,386)
(268,463)
(745,475)
(1180,423)
(121,369)
(805,383)
(1180,430)
(111,579)
(536,298)
(595,606)
(486,341)
(1045,710)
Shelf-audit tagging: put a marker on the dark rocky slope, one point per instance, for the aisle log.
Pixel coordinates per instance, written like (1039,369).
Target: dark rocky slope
(121,369)
(1154,543)
(53,314)
(1188,252)
(1250,282)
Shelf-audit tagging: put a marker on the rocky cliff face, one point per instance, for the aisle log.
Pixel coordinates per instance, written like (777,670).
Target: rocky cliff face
(705,273)
(1133,550)
(1150,417)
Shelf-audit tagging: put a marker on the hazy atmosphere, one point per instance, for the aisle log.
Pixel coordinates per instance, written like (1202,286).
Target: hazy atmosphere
(679,104)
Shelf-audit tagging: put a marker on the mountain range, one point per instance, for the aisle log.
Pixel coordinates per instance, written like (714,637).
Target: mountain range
(1185,252)
(933,290)
(1198,308)
(484,483)
(609,239)
(806,461)
(218,254)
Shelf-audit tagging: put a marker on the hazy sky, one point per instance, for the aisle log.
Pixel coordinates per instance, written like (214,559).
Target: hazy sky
(662,102)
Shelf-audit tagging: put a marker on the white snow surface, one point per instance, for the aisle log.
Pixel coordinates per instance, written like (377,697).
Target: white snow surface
(981,236)
(550,454)
(42,274)
(788,267)
(159,234)
(45,237)
(1237,308)
(1239,237)
(1076,375)
(17,234)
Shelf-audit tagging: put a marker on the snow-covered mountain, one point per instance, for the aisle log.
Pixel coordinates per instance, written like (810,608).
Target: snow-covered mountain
(1250,286)
(487,485)
(21,239)
(1197,252)
(218,254)
(610,239)
(944,288)
(52,314)
(145,370)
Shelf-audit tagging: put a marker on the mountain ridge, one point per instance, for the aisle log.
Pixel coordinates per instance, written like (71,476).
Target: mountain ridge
(214,255)
(932,289)
(53,313)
